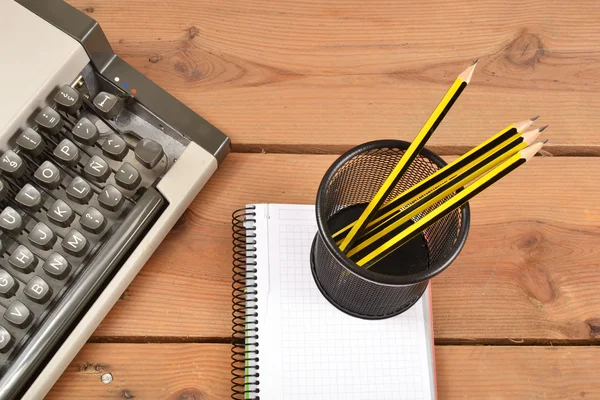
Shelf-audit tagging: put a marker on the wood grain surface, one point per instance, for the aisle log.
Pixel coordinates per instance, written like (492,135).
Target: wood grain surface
(322,76)
(528,272)
(202,372)
(315,76)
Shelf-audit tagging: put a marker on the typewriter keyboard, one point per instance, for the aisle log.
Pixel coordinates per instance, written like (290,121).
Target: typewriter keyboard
(65,185)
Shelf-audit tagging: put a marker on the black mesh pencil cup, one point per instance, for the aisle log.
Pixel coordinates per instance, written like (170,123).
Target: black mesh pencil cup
(397,282)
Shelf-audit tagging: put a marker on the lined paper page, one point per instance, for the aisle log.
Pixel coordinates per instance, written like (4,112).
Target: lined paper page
(311,350)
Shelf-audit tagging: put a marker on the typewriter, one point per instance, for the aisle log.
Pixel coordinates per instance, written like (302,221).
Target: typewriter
(97,163)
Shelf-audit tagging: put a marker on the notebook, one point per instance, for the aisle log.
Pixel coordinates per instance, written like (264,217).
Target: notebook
(291,343)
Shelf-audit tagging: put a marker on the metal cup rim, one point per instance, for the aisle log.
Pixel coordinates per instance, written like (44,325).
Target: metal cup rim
(376,277)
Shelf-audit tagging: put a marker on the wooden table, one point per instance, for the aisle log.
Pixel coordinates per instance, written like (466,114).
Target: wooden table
(295,83)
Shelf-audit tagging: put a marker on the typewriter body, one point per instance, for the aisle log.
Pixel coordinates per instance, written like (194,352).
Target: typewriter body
(97,163)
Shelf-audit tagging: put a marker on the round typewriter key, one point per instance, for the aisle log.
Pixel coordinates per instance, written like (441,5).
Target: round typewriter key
(79,190)
(92,220)
(41,236)
(50,120)
(56,266)
(68,99)
(22,259)
(29,197)
(111,198)
(48,175)
(128,177)
(85,131)
(108,104)
(60,213)
(18,314)
(31,141)
(67,152)
(8,285)
(11,221)
(38,290)
(114,147)
(97,169)
(74,243)
(12,164)
(5,340)
(148,153)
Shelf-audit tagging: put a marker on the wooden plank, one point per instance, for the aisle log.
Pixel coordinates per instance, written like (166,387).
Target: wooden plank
(506,372)
(529,270)
(316,76)
(202,371)
(148,371)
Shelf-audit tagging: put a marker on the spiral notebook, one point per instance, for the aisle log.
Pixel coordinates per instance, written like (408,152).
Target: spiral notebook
(291,343)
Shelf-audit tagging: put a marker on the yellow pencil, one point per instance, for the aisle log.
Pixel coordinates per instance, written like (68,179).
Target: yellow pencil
(413,150)
(405,215)
(456,201)
(465,161)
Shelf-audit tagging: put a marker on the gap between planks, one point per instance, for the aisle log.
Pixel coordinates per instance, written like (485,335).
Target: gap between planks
(548,151)
(438,342)
(158,339)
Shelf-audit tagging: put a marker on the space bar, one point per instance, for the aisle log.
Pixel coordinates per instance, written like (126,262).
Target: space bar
(68,309)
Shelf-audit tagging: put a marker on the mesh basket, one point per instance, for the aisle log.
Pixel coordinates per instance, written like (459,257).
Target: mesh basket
(397,282)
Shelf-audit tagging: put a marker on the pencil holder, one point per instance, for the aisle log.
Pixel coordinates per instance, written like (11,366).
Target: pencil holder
(398,281)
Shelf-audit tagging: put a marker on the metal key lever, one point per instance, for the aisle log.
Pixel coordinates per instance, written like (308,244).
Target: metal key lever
(94,276)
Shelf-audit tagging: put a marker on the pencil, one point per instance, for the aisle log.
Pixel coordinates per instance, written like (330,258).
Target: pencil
(413,150)
(465,161)
(456,201)
(404,216)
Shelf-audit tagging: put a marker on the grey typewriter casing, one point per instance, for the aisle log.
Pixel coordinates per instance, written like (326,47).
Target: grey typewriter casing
(46,44)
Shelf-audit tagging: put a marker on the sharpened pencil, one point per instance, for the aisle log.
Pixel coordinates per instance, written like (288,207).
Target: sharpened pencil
(468,159)
(456,201)
(404,216)
(409,155)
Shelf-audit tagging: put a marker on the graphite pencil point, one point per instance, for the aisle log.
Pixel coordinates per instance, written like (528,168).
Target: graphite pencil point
(543,127)
(468,73)
(535,118)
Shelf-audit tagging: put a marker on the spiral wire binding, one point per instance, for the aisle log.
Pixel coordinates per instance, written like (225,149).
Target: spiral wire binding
(244,352)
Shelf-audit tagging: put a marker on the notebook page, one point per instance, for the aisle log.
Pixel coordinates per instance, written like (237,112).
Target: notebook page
(311,350)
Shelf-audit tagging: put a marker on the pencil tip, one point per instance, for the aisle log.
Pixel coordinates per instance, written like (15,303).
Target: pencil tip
(530,136)
(467,73)
(534,118)
(531,151)
(545,141)
(522,125)
(543,127)
(475,62)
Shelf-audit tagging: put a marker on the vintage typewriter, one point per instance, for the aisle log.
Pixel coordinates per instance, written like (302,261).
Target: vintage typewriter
(96,165)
